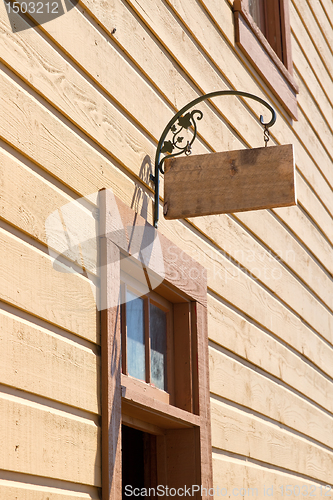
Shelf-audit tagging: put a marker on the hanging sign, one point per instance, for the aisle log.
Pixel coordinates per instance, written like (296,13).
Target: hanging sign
(232,181)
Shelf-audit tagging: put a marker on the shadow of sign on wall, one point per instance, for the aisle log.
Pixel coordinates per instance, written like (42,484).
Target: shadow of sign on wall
(39,11)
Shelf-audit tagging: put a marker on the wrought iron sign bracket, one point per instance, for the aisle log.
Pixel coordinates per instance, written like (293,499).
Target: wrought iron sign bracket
(186,121)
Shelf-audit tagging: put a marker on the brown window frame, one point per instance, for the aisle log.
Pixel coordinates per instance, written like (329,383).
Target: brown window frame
(275,71)
(183,428)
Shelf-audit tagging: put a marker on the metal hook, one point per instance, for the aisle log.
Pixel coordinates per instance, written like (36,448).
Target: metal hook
(188,149)
(266,135)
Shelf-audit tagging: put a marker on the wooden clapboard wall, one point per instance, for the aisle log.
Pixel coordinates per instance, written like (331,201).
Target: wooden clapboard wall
(82,107)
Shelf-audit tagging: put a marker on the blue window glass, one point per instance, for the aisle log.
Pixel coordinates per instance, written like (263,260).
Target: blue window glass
(158,331)
(136,362)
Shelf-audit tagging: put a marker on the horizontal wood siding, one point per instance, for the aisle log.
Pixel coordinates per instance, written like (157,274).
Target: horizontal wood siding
(83,101)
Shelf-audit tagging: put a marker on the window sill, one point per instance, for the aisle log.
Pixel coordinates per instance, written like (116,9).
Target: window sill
(139,401)
(254,45)
(133,384)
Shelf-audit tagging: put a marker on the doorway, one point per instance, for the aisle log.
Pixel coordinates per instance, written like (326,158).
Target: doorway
(139,467)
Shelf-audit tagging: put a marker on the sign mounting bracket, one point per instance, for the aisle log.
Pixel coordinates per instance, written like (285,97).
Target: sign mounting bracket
(185,121)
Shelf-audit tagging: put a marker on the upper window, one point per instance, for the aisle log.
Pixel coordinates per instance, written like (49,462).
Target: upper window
(267,14)
(262,32)
(146,336)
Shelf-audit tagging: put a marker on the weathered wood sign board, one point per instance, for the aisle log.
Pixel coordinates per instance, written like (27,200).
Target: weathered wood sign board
(232,181)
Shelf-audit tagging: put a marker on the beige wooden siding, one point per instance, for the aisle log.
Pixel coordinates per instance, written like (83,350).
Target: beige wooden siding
(82,107)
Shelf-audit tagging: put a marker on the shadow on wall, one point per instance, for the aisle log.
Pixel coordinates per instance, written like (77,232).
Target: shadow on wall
(140,197)
(39,11)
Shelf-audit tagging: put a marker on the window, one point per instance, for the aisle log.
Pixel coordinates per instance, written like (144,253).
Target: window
(262,32)
(268,18)
(154,361)
(146,337)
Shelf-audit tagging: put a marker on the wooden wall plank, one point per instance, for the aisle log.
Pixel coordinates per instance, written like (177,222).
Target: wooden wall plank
(238,383)
(314,148)
(313,29)
(63,224)
(303,67)
(238,243)
(260,482)
(298,222)
(287,249)
(241,433)
(314,207)
(14,490)
(316,120)
(231,331)
(26,198)
(77,99)
(36,360)
(46,442)
(52,145)
(311,347)
(298,28)
(222,15)
(28,281)
(327,5)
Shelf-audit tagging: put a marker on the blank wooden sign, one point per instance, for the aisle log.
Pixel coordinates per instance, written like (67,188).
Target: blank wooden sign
(233,181)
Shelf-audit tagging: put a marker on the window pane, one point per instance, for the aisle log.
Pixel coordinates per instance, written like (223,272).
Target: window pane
(136,364)
(158,347)
(256,10)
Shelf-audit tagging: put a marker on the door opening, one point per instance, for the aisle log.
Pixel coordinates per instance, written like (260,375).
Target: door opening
(138,462)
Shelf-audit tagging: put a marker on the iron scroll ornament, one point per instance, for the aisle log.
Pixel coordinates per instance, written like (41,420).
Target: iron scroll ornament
(185,122)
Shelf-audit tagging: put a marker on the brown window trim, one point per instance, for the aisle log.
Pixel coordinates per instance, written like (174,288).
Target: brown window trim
(180,433)
(277,74)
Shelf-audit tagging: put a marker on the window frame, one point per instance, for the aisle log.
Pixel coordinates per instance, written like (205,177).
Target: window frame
(277,74)
(183,435)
